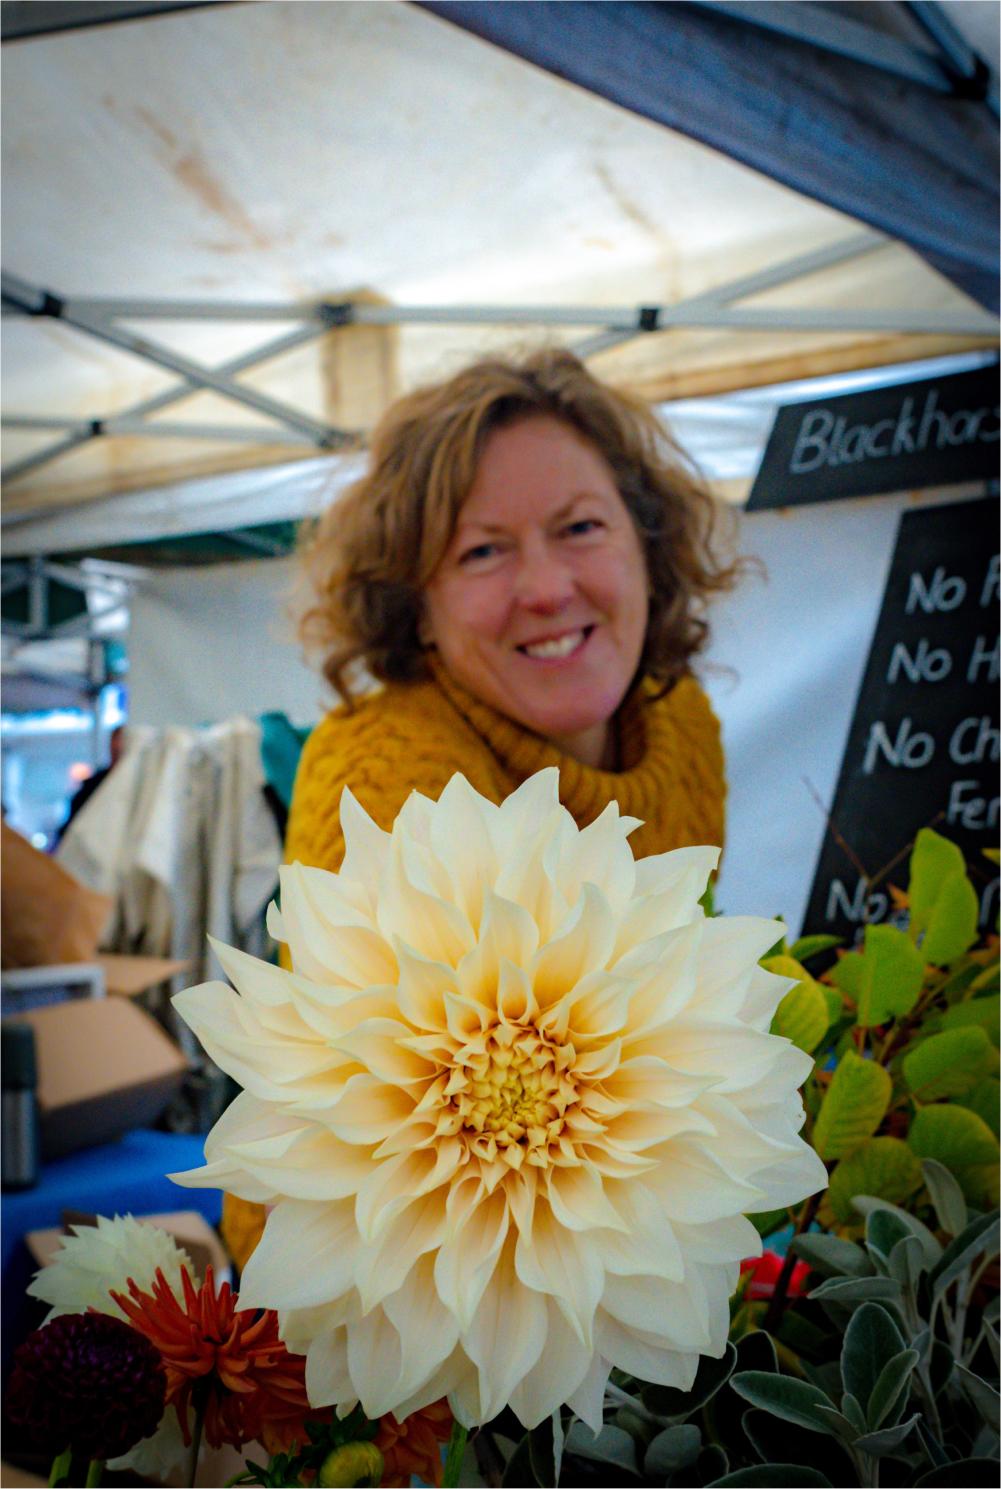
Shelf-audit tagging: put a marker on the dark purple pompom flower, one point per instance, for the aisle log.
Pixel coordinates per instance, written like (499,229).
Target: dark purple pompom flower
(89,1382)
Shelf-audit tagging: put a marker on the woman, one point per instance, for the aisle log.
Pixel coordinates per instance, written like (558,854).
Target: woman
(524,567)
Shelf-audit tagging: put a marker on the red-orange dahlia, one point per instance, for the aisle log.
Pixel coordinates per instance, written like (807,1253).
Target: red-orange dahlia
(413,1445)
(228,1360)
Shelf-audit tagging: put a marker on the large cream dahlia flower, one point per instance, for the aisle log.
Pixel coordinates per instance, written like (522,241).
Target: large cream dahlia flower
(510,1108)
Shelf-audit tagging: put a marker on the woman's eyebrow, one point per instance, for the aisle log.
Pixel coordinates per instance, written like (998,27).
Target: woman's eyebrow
(558,515)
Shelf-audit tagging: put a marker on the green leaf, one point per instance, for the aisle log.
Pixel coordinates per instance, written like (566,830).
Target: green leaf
(792,1400)
(968,1473)
(666,1401)
(984,1396)
(946,1196)
(852,1411)
(889,1393)
(868,1204)
(711,1463)
(952,926)
(985,1100)
(846,974)
(980,1238)
(878,1443)
(776,1441)
(808,946)
(950,1063)
(982,1011)
(953,1135)
(884,1167)
(675,1448)
(610,1445)
(871,1339)
(768,1221)
(854,1106)
(858,1290)
(802,1016)
(883,1228)
(756,1351)
(835,1004)
(773,1476)
(519,1470)
(545,1449)
(831,1256)
(934,861)
(893,971)
(906,1262)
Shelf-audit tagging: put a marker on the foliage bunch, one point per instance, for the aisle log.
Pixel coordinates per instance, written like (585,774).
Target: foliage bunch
(904,1031)
(891,1367)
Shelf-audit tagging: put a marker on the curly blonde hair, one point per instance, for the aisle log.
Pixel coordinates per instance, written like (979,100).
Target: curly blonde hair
(370,556)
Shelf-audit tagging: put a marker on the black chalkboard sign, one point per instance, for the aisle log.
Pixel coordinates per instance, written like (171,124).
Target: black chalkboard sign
(907,437)
(923,745)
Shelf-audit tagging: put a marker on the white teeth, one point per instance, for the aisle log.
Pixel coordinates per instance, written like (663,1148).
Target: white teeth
(562,646)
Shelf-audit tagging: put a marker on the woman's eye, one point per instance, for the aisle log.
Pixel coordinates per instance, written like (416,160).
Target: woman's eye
(582,526)
(477,552)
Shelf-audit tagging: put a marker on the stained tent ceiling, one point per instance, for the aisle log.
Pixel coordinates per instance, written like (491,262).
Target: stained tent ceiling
(296,153)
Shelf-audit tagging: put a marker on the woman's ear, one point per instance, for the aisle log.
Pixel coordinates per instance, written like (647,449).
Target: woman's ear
(425,635)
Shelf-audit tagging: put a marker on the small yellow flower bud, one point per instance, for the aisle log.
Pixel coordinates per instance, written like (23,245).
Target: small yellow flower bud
(354,1463)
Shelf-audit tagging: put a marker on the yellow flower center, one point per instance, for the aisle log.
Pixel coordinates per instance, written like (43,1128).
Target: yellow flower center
(510,1090)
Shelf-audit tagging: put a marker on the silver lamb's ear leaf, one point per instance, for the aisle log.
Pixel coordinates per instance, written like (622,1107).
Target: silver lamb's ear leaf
(868,1205)
(610,1445)
(672,1450)
(878,1443)
(906,1262)
(946,1196)
(832,1256)
(889,1394)
(792,1400)
(871,1339)
(984,1397)
(980,1237)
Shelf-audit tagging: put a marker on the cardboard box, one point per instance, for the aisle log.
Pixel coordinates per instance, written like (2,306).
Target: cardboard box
(104,1067)
(130,975)
(188,1228)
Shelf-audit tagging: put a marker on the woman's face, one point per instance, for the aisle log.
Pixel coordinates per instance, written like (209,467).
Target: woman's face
(539,605)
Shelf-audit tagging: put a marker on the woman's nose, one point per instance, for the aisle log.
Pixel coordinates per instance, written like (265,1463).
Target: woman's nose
(543,581)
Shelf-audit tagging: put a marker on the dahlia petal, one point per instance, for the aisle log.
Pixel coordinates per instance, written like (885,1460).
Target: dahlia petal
(506,1335)
(422,984)
(578,1200)
(436,929)
(367,1111)
(329,940)
(730,1239)
(366,846)
(376,1044)
(731,947)
(328,1380)
(557,1263)
(602,856)
(560,1369)
(465,1261)
(428,1331)
(507,933)
(306,1255)
(389,1187)
(461,839)
(645,1357)
(375,1360)
(587,1401)
(676,1313)
(583,946)
(693,1189)
(765,991)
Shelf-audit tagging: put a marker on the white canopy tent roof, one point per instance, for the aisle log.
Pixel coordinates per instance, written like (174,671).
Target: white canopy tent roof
(206,182)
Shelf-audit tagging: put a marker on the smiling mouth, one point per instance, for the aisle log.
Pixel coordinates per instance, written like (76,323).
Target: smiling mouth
(556,648)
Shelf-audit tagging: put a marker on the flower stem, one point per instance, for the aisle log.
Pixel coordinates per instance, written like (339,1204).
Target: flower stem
(777,1302)
(95,1471)
(201,1401)
(61,1467)
(453,1458)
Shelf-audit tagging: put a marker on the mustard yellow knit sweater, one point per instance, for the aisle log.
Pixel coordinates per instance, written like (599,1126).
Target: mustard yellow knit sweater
(417,735)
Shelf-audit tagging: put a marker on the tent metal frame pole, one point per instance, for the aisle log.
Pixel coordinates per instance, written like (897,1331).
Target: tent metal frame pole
(43,302)
(838,34)
(231,433)
(241,363)
(968,69)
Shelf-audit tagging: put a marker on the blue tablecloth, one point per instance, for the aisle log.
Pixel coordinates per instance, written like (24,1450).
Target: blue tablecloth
(125,1176)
